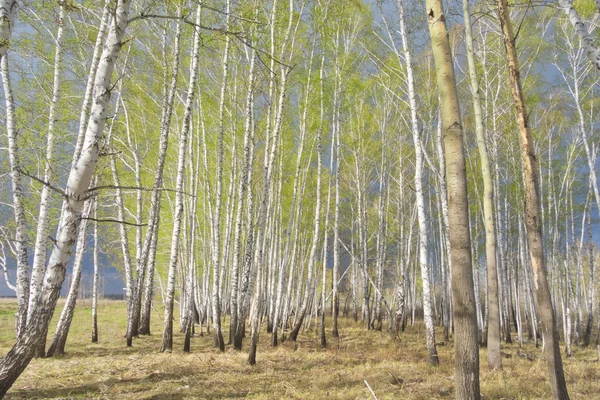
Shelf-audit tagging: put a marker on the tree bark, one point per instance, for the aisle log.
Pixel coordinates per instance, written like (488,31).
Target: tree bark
(96,277)
(541,290)
(148,255)
(493,314)
(16,360)
(59,339)
(167,338)
(463,297)
(43,222)
(18,203)
(8,9)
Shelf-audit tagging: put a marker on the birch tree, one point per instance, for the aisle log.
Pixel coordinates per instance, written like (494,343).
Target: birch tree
(8,9)
(18,202)
(167,339)
(16,360)
(541,291)
(466,365)
(493,313)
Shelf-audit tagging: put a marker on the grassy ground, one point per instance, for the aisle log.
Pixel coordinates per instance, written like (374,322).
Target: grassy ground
(393,369)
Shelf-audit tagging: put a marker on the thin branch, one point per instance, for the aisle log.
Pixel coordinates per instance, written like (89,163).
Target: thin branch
(144,189)
(43,182)
(238,35)
(112,220)
(370,390)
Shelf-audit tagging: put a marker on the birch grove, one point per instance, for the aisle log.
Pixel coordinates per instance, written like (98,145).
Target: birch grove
(303,168)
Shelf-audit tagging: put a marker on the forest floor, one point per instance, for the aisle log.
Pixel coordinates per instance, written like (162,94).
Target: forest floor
(302,370)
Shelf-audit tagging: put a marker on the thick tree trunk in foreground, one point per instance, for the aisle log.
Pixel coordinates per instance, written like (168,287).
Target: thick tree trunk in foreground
(17,359)
(59,340)
(463,297)
(541,291)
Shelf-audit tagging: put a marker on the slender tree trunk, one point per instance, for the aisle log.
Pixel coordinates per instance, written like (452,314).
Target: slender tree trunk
(273,141)
(294,206)
(336,216)
(18,203)
(243,187)
(43,222)
(418,182)
(590,298)
(148,255)
(493,315)
(96,277)
(167,339)
(463,297)
(218,335)
(532,215)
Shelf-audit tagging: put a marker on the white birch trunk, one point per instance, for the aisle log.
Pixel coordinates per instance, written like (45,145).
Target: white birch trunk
(17,359)
(148,255)
(18,204)
(167,340)
(96,277)
(587,40)
(216,253)
(493,315)
(8,9)
(243,186)
(43,222)
(84,116)
(288,235)
(418,181)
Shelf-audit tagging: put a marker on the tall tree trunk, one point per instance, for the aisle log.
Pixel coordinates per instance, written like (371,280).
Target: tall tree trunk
(243,187)
(336,214)
(167,339)
(43,222)
(463,297)
(493,314)
(420,199)
(590,299)
(294,206)
(216,305)
(96,277)
(18,203)
(16,360)
(532,215)
(148,255)
(273,141)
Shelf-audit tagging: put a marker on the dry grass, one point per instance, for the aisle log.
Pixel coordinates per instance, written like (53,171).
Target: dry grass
(394,369)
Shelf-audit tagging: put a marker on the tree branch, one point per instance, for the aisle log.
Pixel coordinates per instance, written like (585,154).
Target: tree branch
(112,220)
(43,182)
